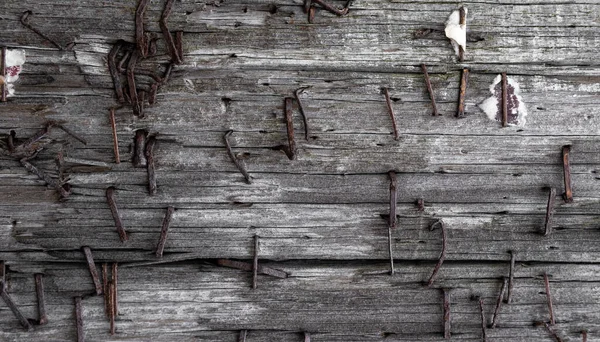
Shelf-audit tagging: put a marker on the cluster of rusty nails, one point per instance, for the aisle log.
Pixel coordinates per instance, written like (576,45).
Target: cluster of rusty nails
(310,7)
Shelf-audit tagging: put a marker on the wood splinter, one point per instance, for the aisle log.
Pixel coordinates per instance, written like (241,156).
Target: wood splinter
(392,222)
(442,254)
(388,101)
(164,231)
(240,166)
(79,320)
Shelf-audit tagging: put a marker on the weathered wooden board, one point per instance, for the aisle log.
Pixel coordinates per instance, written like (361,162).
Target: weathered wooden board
(322,217)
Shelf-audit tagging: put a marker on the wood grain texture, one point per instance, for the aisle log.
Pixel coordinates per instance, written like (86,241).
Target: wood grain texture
(322,217)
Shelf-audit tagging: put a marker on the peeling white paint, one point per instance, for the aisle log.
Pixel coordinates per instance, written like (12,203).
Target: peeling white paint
(457,32)
(14,65)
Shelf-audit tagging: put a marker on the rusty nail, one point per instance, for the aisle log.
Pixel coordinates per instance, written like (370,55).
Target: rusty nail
(163,232)
(173,51)
(392,222)
(391,112)
(179,44)
(255,263)
(39,289)
(69,132)
(499,302)
(234,159)
(246,266)
(2,271)
(447,328)
(430,90)
(114,134)
(550,330)
(331,8)
(420,204)
(142,101)
(549,212)
(13,307)
(142,44)
(297,93)
(64,193)
(87,251)
(25,22)
(3,71)
(568,195)
(133,95)
(111,296)
(504,100)
(114,279)
(463,93)
(139,147)
(483,325)
(105,289)
(462,21)
(511,276)
(549,298)
(79,320)
(150,165)
(242,336)
(110,198)
(442,254)
(291,151)
(114,71)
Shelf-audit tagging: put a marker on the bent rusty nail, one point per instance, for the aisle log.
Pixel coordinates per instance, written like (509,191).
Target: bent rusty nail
(39,290)
(442,254)
(331,8)
(392,219)
(311,14)
(255,263)
(3,74)
(139,149)
(114,71)
(504,100)
(25,22)
(289,120)
(430,90)
(115,276)
(13,307)
(113,126)
(122,61)
(447,327)
(142,44)
(79,320)
(242,336)
(568,195)
(306,336)
(297,93)
(173,51)
(150,165)
(549,299)
(110,198)
(462,22)
(246,266)
(499,302)
(87,251)
(64,193)
(388,101)
(511,277)
(105,289)
(549,212)
(483,324)
(133,95)
(164,231)
(464,80)
(234,159)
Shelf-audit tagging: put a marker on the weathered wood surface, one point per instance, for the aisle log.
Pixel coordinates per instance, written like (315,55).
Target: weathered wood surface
(322,217)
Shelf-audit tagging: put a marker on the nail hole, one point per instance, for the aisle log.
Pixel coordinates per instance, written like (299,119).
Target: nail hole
(306,237)
(421,242)
(505,212)
(541,108)
(553,248)
(262,132)
(233,55)
(517,175)
(395,99)
(237,24)
(266,84)
(519,130)
(379,144)
(330,130)
(505,197)
(328,81)
(226,100)
(273,8)
(245,10)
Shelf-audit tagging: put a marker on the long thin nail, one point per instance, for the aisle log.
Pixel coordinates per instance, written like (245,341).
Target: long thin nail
(110,198)
(173,51)
(306,336)
(69,132)
(462,21)
(64,193)
(179,44)
(550,330)
(568,195)
(114,71)
(289,120)
(549,299)
(39,289)
(234,159)
(549,212)
(87,251)
(511,276)
(483,324)
(114,134)
(442,254)
(25,22)
(464,80)
(133,95)
(430,90)
(79,320)
(504,100)
(122,61)
(13,307)
(447,327)
(331,8)
(388,101)
(150,165)
(3,71)
(246,266)
(163,232)
(242,336)
(499,302)
(297,93)
(106,290)
(115,277)
(140,37)
(392,220)
(139,149)
(255,263)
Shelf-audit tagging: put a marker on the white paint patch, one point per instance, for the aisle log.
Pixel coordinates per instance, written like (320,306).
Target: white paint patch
(457,32)
(14,64)
(491,106)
